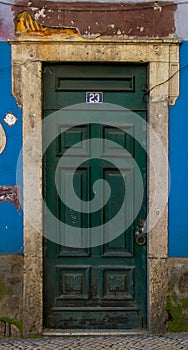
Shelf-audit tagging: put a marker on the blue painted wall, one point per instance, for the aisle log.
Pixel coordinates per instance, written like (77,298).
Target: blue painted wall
(11,231)
(11,226)
(178,147)
(11,219)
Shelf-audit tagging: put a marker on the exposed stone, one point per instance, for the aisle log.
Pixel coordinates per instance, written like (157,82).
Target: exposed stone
(11,292)
(158,179)
(183,283)
(26,24)
(7,329)
(2,329)
(14,331)
(177,301)
(158,294)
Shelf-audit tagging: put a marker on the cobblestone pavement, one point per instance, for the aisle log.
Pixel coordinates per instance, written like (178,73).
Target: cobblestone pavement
(126,342)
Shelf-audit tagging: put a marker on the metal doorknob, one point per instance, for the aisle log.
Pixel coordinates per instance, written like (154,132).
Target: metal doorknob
(140,235)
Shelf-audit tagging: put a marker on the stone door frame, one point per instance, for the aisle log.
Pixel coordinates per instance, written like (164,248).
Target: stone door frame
(28,54)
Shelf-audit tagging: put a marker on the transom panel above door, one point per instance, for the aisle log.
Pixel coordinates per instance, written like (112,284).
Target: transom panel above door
(102,285)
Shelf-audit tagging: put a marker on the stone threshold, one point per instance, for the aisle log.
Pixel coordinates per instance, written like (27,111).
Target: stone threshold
(100,332)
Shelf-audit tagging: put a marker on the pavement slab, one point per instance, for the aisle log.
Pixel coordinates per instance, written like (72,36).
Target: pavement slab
(178,341)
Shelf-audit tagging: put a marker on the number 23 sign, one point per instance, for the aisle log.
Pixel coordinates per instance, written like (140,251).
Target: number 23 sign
(94,97)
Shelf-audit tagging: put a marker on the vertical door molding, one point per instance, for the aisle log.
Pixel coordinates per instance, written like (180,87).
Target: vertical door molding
(28,54)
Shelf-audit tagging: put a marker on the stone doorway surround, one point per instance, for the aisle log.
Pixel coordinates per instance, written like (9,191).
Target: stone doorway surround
(162,57)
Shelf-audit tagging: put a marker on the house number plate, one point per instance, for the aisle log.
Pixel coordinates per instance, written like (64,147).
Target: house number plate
(94,97)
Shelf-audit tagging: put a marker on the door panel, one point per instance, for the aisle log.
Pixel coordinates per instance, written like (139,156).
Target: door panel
(102,286)
(113,74)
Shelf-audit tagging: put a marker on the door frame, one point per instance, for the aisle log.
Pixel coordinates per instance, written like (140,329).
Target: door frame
(162,57)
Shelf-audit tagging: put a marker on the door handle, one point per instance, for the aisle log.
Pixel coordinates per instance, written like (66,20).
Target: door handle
(140,235)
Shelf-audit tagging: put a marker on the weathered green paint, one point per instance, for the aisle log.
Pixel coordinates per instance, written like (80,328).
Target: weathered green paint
(104,286)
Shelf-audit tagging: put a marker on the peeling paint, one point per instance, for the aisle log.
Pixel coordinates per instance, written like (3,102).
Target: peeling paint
(10,119)
(157,7)
(10,194)
(40,13)
(26,24)
(127,19)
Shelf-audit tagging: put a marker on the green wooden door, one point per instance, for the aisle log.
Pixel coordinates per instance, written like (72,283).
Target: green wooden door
(101,286)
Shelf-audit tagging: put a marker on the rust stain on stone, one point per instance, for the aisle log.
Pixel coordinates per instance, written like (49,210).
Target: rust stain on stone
(100,19)
(10,194)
